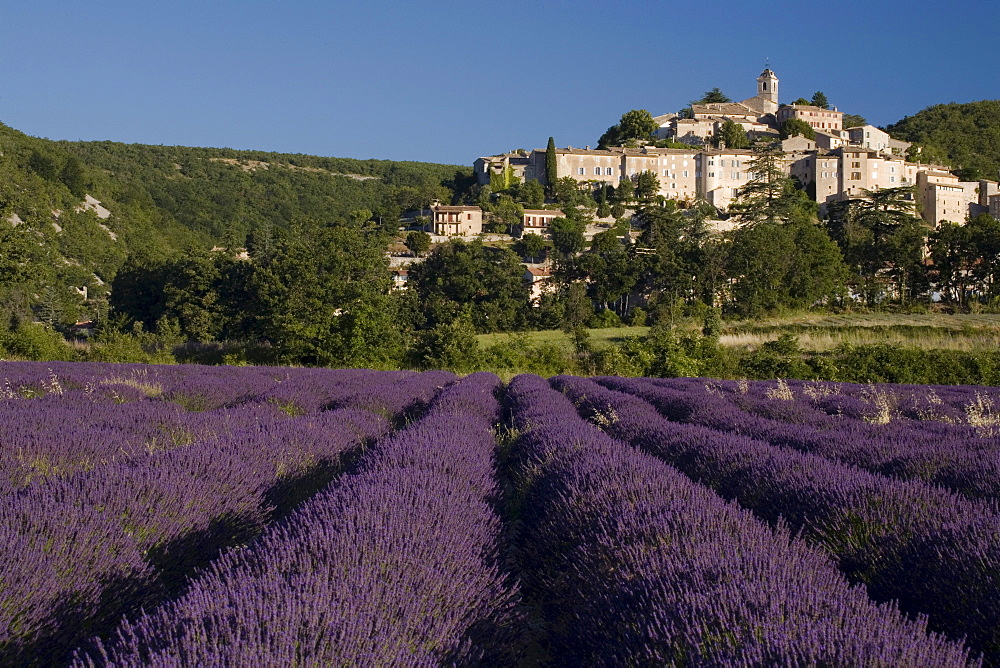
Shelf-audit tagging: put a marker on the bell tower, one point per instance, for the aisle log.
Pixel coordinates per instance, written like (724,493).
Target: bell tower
(767,85)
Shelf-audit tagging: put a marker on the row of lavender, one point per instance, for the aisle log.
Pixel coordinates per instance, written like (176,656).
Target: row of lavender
(621,558)
(397,565)
(625,560)
(83,416)
(113,523)
(934,551)
(944,435)
(632,563)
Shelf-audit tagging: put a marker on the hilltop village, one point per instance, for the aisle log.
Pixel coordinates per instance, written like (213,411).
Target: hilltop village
(838,163)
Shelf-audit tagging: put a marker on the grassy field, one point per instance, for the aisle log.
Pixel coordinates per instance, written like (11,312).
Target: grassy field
(818,332)
(600,338)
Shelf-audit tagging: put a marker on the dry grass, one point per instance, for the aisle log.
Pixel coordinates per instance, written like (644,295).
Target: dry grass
(817,332)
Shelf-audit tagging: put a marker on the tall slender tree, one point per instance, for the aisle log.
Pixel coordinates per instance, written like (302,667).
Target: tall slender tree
(551,171)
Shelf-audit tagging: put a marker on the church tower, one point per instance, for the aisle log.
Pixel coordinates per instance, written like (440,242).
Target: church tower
(767,86)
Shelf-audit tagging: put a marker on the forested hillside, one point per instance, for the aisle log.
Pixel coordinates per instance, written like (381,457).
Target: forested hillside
(968,135)
(224,192)
(73,212)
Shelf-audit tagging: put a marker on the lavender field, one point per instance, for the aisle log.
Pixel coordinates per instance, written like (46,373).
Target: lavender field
(184,515)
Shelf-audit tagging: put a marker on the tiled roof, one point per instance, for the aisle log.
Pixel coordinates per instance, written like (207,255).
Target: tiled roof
(723,108)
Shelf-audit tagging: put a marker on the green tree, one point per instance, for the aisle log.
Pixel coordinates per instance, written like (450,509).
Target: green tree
(767,197)
(647,185)
(489,282)
(882,240)
(324,300)
(610,271)
(637,124)
(800,101)
(854,121)
(773,266)
(507,214)
(671,261)
(732,135)
(797,126)
(419,242)
(567,235)
(529,193)
(625,193)
(819,100)
(551,166)
(44,165)
(714,96)
(954,252)
(450,346)
(531,246)
(74,177)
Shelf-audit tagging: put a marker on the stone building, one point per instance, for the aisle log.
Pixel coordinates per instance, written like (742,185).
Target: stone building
(457,220)
(838,164)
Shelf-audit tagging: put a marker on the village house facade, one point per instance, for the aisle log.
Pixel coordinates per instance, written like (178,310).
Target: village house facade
(456,220)
(838,164)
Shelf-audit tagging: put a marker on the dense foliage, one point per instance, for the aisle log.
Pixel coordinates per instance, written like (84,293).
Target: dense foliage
(967,135)
(73,213)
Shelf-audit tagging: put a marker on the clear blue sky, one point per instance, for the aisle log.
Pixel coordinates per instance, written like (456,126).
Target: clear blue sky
(450,81)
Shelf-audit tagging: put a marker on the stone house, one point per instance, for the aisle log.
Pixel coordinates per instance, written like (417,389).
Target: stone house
(456,220)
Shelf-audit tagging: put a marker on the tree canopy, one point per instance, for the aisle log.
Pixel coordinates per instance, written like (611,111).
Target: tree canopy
(712,96)
(967,134)
(733,135)
(633,125)
(797,127)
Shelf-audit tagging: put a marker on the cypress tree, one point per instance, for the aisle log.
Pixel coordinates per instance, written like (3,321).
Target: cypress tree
(550,166)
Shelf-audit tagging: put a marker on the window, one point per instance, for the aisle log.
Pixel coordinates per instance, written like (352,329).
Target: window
(855,176)
(736,192)
(697,175)
(892,169)
(825,174)
(685,163)
(580,171)
(736,163)
(892,179)
(607,171)
(674,186)
(666,172)
(736,176)
(825,165)
(855,165)
(597,171)
(686,173)
(711,175)
(711,163)
(722,163)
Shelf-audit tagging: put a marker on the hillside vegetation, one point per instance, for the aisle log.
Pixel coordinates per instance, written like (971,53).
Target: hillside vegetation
(73,212)
(967,134)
